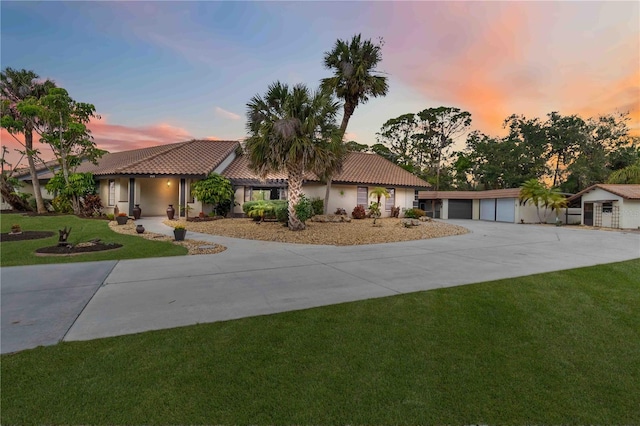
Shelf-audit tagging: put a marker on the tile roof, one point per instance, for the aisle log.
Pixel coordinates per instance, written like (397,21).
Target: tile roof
(191,158)
(627,191)
(470,195)
(358,168)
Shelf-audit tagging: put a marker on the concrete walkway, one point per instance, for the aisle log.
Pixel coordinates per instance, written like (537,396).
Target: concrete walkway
(256,278)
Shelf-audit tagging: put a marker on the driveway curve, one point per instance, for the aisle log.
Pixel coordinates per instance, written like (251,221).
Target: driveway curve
(257,278)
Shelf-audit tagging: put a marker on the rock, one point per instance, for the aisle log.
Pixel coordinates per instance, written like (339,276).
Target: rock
(410,222)
(330,218)
(425,219)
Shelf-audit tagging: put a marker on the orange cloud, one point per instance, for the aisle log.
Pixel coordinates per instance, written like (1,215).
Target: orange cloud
(15,144)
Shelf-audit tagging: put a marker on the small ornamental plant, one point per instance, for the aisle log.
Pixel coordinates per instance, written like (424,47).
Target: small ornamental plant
(359,212)
(179,227)
(122,215)
(15,229)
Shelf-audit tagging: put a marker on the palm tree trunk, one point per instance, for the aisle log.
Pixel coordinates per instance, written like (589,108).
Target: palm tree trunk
(295,190)
(348,112)
(28,144)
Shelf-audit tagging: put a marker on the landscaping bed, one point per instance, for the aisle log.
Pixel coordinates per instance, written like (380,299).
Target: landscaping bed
(356,232)
(25,235)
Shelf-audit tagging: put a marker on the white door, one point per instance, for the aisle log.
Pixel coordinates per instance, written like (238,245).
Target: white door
(488,209)
(506,210)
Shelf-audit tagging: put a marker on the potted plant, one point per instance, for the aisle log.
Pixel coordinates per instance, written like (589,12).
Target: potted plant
(122,218)
(179,232)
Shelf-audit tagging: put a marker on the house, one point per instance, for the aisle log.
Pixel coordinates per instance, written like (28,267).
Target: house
(497,205)
(610,205)
(158,176)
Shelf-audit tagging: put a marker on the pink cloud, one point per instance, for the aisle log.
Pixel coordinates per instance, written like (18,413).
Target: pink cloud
(226,114)
(114,137)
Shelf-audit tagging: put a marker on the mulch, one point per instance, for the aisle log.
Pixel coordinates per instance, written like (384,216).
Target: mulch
(26,235)
(204,219)
(71,250)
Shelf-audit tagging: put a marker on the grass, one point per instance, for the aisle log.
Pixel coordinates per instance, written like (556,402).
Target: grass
(552,348)
(23,252)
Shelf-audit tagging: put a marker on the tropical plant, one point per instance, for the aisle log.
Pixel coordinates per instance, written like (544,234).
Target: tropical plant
(317,204)
(355,79)
(629,174)
(374,208)
(292,130)
(261,209)
(536,193)
(74,189)
(17,86)
(214,190)
(304,209)
(358,212)
(414,213)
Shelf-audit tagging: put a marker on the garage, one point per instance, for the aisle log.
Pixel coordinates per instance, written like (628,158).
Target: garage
(460,209)
(506,210)
(488,209)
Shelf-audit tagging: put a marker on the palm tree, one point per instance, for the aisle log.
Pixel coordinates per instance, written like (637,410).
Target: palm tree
(629,174)
(292,130)
(377,192)
(354,81)
(538,194)
(17,86)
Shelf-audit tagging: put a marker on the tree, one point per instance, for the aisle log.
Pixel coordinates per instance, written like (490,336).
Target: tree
(353,146)
(65,131)
(292,130)
(374,208)
(214,190)
(397,133)
(17,86)
(536,193)
(355,79)
(438,127)
(565,135)
(629,174)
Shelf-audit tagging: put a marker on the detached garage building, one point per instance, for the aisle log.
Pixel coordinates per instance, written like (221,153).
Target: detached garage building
(610,206)
(498,205)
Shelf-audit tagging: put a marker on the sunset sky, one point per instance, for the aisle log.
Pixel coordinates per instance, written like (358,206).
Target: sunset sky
(162,72)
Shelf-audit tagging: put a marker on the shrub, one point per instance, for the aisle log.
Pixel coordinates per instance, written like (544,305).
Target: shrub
(91,205)
(304,209)
(179,227)
(259,210)
(414,213)
(340,211)
(110,216)
(61,204)
(317,204)
(395,211)
(282,212)
(359,213)
(122,214)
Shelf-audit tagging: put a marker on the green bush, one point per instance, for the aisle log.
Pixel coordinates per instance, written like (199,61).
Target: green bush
(414,213)
(282,212)
(304,209)
(62,204)
(317,204)
(261,210)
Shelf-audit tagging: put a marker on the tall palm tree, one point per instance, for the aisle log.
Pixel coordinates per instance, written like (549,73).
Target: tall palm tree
(15,87)
(292,130)
(355,79)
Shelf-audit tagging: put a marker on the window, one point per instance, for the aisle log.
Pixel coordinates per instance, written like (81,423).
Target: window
(607,207)
(390,201)
(363,196)
(112,192)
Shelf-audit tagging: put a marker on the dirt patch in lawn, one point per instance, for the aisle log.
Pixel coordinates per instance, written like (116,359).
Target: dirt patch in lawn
(356,232)
(25,235)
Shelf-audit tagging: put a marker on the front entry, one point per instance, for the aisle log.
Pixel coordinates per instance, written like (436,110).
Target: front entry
(588,214)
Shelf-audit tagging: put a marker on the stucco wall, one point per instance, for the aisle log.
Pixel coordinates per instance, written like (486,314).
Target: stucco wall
(630,214)
(154,195)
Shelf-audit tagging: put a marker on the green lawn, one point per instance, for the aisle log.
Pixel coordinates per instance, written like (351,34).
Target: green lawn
(23,252)
(545,349)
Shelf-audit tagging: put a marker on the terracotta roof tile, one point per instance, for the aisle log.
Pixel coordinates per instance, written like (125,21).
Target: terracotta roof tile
(358,167)
(196,157)
(470,195)
(627,191)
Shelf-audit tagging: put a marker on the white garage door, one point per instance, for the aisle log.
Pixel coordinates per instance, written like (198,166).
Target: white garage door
(506,210)
(488,209)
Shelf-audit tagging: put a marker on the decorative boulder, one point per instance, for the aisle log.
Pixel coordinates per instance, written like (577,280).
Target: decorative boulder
(330,218)
(407,223)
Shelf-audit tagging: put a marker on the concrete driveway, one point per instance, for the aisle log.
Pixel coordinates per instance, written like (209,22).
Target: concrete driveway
(256,278)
